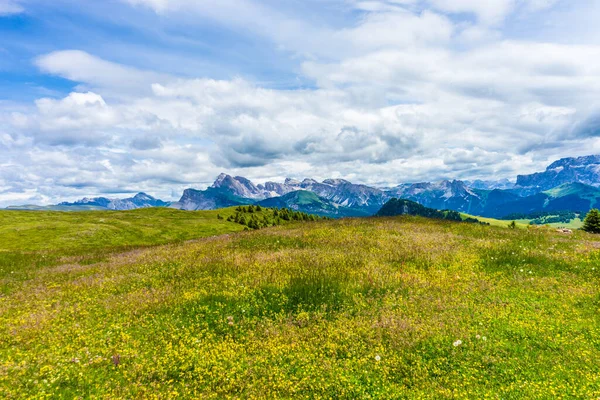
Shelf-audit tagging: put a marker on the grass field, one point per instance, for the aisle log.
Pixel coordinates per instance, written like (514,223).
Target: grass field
(362,308)
(576,223)
(34,239)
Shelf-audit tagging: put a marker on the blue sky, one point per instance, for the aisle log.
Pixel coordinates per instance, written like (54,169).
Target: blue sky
(120,96)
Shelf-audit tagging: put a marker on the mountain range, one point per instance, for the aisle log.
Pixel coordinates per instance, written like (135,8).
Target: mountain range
(140,200)
(569,184)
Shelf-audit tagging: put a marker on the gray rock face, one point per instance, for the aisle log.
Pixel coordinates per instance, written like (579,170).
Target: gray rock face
(584,170)
(337,191)
(239,186)
(503,184)
(209,199)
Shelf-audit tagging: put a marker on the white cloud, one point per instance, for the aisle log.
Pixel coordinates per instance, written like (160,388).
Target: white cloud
(80,66)
(491,11)
(9,7)
(401,94)
(488,11)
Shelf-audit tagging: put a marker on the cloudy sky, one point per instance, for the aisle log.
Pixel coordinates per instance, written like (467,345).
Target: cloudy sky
(118,96)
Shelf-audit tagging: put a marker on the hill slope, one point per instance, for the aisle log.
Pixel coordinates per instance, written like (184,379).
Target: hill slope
(363,308)
(566,197)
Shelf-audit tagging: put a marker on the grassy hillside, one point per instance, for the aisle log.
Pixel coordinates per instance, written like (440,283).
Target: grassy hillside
(578,189)
(497,222)
(32,239)
(366,308)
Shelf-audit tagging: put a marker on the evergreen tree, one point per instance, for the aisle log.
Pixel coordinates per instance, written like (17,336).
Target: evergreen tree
(592,222)
(512,225)
(250,209)
(258,208)
(252,224)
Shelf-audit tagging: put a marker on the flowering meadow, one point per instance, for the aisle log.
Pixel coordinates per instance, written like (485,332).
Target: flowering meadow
(392,308)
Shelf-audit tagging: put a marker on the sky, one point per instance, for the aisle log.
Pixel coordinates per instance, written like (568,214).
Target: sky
(114,97)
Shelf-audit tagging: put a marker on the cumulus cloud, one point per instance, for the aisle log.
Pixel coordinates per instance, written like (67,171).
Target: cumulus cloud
(405,92)
(82,67)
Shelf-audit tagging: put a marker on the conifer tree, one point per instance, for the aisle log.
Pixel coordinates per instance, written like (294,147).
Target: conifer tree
(592,222)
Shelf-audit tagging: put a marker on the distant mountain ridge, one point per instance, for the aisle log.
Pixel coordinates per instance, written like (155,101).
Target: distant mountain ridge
(140,200)
(567,197)
(311,203)
(569,184)
(338,191)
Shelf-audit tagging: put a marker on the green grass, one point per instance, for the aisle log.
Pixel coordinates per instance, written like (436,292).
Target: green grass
(497,222)
(359,308)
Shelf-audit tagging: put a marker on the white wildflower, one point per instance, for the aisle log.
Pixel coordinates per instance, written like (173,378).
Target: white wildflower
(457,343)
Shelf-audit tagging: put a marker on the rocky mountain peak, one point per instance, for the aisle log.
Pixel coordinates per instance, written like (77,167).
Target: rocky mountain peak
(143,196)
(238,186)
(336,182)
(291,182)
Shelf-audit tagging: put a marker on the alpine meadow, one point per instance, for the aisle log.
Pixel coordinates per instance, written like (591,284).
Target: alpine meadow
(401,307)
(304,199)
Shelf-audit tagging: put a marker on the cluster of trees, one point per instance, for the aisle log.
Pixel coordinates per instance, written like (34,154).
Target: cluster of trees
(590,224)
(256,217)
